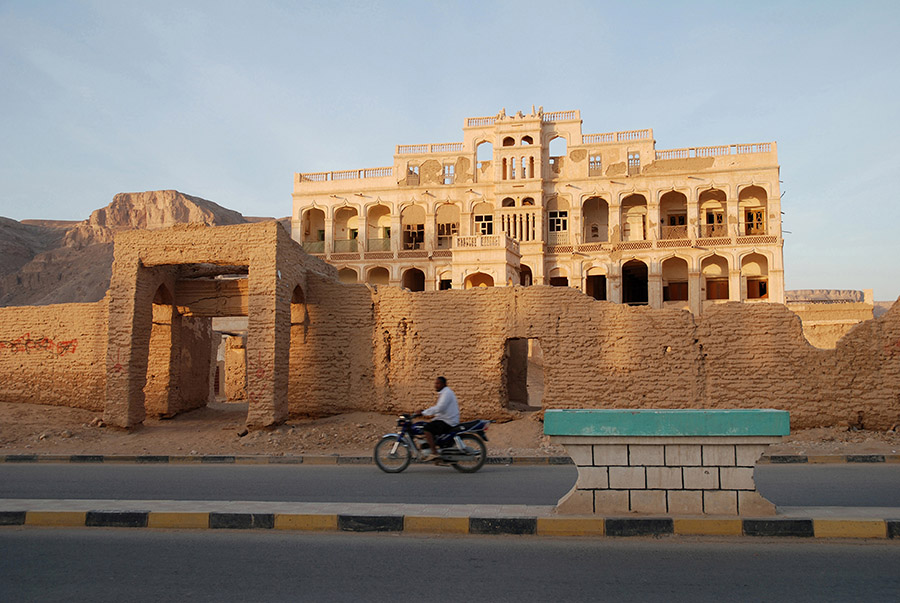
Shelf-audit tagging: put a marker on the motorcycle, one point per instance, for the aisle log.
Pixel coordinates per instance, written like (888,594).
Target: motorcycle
(463,448)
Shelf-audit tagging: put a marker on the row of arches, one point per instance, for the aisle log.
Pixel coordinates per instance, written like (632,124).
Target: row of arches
(411,278)
(631,224)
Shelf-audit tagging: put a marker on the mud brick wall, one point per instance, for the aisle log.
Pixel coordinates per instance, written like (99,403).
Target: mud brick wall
(331,361)
(604,355)
(54,355)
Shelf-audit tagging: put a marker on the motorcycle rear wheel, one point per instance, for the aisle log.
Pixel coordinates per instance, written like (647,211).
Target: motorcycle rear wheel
(390,460)
(477,448)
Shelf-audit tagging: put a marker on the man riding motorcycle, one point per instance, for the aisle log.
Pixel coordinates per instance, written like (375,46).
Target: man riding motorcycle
(444,416)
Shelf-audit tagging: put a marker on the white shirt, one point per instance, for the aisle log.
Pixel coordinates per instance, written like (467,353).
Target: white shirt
(446,409)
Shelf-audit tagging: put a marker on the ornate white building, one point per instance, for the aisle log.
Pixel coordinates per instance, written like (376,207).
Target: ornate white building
(529,199)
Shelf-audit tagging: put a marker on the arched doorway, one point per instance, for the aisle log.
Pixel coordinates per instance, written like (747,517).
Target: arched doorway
(634,283)
(479,279)
(414,279)
(348,275)
(378,276)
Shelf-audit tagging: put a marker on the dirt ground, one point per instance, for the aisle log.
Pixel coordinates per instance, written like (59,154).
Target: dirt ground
(34,429)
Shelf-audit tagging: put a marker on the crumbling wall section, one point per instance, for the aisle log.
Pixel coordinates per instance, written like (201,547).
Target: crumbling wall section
(54,354)
(331,358)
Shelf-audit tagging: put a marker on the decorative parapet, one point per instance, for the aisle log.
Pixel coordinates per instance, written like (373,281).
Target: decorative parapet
(561,116)
(716,151)
(379,172)
(424,149)
(676,462)
(625,136)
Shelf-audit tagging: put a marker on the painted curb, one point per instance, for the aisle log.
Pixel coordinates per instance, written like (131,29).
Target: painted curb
(777,459)
(575,526)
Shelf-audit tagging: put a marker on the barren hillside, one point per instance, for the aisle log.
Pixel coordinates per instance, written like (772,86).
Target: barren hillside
(46,262)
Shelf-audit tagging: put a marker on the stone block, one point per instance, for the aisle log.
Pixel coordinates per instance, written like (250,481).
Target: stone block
(576,502)
(610,454)
(592,478)
(754,505)
(610,501)
(645,454)
(720,502)
(701,478)
(630,478)
(721,455)
(651,502)
(736,478)
(582,455)
(683,454)
(664,478)
(748,454)
(685,502)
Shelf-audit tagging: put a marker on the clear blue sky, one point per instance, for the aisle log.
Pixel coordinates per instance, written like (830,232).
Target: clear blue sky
(225,100)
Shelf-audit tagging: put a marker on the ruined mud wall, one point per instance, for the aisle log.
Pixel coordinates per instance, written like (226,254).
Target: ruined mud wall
(598,354)
(54,355)
(331,362)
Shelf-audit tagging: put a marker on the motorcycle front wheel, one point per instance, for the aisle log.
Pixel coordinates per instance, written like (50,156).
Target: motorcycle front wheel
(391,455)
(476,454)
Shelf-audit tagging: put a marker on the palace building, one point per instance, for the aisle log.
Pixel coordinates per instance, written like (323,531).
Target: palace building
(528,199)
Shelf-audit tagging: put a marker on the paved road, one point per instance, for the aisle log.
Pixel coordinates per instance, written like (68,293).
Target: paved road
(789,485)
(120,565)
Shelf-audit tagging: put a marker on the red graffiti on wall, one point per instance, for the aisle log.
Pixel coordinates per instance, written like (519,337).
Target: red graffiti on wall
(27,344)
(117,367)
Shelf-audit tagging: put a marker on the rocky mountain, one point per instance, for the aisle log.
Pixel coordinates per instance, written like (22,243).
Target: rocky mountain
(47,262)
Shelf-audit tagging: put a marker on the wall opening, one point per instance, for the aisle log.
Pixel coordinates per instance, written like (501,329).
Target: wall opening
(161,383)
(479,279)
(634,283)
(595,286)
(414,279)
(526,279)
(523,363)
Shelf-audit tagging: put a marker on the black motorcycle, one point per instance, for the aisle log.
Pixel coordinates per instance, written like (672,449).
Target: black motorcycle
(463,448)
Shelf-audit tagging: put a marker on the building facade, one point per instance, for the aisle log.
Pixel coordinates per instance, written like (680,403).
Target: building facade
(529,199)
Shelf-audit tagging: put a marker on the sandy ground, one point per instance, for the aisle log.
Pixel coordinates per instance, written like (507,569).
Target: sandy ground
(34,429)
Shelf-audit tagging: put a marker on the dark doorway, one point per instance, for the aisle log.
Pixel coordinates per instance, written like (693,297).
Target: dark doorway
(524,369)
(595,286)
(634,283)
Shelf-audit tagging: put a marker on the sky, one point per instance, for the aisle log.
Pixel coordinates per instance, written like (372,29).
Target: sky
(226,100)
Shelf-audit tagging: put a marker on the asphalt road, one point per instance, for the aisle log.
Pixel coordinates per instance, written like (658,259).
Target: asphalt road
(120,565)
(790,485)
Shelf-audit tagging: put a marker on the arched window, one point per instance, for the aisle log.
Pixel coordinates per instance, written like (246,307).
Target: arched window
(755,270)
(378,235)
(526,140)
(312,225)
(412,222)
(509,141)
(634,218)
(752,203)
(508,202)
(675,279)
(447,219)
(596,219)
(673,216)
(483,216)
(712,213)
(714,271)
(346,229)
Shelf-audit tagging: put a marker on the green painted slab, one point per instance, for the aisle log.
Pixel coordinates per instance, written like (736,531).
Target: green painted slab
(666,423)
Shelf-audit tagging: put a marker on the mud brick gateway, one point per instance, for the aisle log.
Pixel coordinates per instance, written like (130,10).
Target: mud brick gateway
(678,462)
(318,347)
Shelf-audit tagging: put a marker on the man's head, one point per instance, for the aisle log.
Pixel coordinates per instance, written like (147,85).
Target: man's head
(440,383)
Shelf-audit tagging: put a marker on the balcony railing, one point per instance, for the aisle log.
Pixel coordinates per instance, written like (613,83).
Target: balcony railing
(346,175)
(674,232)
(716,151)
(345,246)
(624,136)
(561,116)
(420,149)
(314,246)
(378,245)
(481,241)
(558,238)
(478,122)
(708,231)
